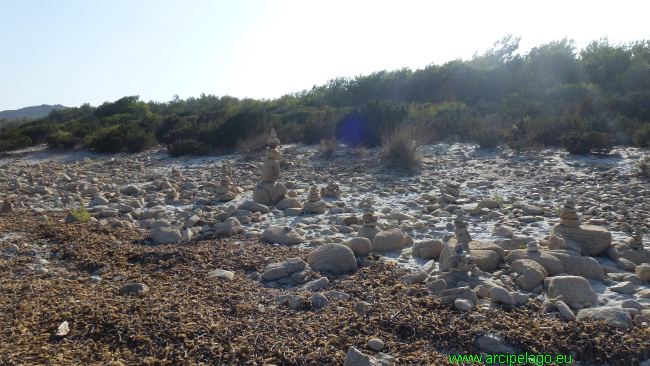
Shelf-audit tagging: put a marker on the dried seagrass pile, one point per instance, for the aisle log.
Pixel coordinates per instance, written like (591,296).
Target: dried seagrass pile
(188,317)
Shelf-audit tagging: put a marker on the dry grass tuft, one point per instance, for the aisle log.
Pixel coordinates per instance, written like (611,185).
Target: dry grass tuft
(400,149)
(644,166)
(328,147)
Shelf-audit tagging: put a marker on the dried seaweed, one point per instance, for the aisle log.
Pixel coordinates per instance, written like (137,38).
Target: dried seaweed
(188,317)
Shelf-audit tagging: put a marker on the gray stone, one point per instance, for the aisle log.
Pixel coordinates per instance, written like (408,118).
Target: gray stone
(360,246)
(587,239)
(501,295)
(222,274)
(572,289)
(577,265)
(230,227)
(275,271)
(389,240)
(282,235)
(531,273)
(166,235)
(565,311)
(316,285)
(430,249)
(134,288)
(617,317)
(333,257)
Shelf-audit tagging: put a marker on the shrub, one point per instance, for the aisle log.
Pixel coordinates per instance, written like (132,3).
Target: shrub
(188,147)
(584,142)
(13,139)
(80,215)
(642,136)
(109,140)
(139,141)
(252,145)
(400,149)
(328,147)
(487,134)
(644,166)
(60,138)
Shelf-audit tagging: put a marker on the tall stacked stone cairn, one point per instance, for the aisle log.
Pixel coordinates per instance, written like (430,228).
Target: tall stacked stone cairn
(227,189)
(636,242)
(569,216)
(368,227)
(331,190)
(314,203)
(460,229)
(587,240)
(269,191)
(456,248)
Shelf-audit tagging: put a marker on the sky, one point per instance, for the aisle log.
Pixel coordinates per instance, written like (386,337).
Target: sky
(72,52)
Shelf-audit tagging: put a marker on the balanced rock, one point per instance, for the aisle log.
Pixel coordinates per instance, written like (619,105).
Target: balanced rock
(227,190)
(314,203)
(331,190)
(585,239)
(333,258)
(369,225)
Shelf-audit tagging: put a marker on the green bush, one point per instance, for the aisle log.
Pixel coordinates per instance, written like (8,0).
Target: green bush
(80,215)
(60,139)
(584,142)
(642,136)
(188,147)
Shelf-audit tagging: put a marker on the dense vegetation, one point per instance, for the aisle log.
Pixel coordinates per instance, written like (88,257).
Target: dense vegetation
(554,95)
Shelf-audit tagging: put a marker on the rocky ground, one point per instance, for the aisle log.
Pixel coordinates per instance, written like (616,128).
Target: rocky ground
(163,272)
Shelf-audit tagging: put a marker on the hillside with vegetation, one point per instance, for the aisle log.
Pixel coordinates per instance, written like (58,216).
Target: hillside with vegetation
(554,95)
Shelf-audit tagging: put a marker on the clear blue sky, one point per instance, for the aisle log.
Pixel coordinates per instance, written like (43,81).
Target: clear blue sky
(76,51)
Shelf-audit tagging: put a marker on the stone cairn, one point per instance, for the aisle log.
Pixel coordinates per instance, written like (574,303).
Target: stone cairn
(450,192)
(368,227)
(314,203)
(533,247)
(331,190)
(569,217)
(462,234)
(269,191)
(461,260)
(637,238)
(227,189)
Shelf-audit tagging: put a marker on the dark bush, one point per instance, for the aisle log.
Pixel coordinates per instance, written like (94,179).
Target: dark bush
(188,147)
(61,139)
(584,142)
(642,136)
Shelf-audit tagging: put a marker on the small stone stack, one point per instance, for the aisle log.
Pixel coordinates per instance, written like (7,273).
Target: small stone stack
(369,225)
(637,239)
(269,191)
(569,217)
(227,190)
(533,247)
(450,192)
(314,203)
(331,190)
(462,234)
